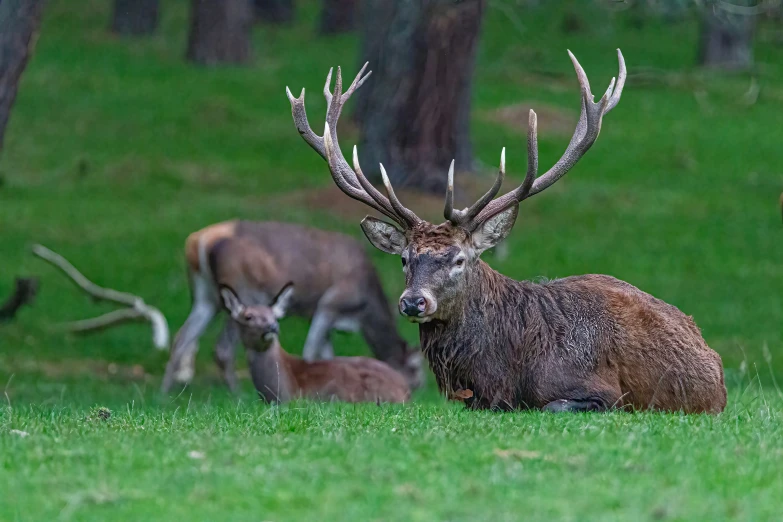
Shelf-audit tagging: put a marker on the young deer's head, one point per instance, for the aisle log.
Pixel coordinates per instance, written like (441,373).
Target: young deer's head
(440,260)
(258,324)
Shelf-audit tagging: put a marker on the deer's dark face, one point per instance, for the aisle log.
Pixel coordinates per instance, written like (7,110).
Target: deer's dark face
(437,261)
(258,325)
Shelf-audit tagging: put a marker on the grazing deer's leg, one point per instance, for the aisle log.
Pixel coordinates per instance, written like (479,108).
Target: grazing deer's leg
(224,354)
(334,310)
(318,335)
(327,350)
(182,359)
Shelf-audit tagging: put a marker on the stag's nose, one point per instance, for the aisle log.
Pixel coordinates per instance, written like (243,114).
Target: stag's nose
(413,306)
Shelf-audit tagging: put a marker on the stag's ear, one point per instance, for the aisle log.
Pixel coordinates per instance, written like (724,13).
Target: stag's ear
(495,229)
(231,301)
(282,300)
(383,236)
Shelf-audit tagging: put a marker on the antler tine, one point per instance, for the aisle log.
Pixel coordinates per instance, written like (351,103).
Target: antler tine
(518,194)
(372,191)
(587,129)
(614,98)
(461,217)
(351,181)
(479,205)
(358,81)
(334,159)
(328,87)
(448,209)
(410,218)
(299,113)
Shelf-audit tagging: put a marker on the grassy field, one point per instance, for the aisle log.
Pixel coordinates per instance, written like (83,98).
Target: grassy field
(118,149)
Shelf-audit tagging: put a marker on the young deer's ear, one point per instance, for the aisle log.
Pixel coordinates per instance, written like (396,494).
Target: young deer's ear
(383,236)
(495,229)
(231,301)
(282,300)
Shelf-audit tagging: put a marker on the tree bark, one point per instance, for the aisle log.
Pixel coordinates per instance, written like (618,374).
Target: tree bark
(337,16)
(19,23)
(134,17)
(726,40)
(220,32)
(274,11)
(414,112)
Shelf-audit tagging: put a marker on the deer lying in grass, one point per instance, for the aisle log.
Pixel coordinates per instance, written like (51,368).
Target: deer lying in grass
(581,343)
(337,286)
(280,377)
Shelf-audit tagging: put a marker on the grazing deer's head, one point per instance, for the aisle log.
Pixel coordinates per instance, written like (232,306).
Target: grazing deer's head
(258,324)
(439,260)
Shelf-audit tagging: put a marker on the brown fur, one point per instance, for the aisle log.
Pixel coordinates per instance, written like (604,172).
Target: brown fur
(346,379)
(333,275)
(280,377)
(587,342)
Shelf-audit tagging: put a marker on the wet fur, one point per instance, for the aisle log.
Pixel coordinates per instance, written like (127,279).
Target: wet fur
(518,344)
(581,343)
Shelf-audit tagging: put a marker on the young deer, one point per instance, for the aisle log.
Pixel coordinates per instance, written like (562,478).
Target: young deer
(337,286)
(587,342)
(280,377)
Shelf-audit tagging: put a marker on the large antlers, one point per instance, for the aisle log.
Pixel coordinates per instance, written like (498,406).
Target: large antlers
(355,184)
(351,181)
(586,132)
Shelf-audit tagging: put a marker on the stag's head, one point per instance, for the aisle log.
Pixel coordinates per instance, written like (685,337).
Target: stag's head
(440,260)
(258,324)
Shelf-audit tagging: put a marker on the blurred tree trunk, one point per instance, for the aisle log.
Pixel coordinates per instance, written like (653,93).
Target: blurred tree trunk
(274,11)
(134,17)
(414,112)
(19,23)
(726,40)
(337,16)
(220,32)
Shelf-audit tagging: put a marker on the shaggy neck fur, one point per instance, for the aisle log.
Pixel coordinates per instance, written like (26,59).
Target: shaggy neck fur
(483,338)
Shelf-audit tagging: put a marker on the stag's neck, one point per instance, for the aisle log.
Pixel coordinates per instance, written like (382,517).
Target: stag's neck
(484,286)
(472,339)
(271,371)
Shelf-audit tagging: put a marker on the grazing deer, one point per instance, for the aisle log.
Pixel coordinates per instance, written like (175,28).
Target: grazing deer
(580,343)
(280,377)
(337,286)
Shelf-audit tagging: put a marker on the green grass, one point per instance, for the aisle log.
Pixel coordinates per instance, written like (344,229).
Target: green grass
(117,149)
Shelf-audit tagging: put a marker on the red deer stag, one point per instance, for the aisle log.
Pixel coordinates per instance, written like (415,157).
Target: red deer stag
(337,284)
(580,343)
(280,377)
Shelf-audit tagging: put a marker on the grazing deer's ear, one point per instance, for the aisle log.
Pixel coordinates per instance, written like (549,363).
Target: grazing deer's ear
(383,236)
(282,300)
(231,301)
(495,229)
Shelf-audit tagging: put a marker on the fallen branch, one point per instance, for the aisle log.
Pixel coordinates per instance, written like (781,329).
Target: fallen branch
(24,294)
(138,309)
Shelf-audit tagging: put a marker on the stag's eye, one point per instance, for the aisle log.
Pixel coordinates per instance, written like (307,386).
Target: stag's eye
(404,262)
(459,262)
